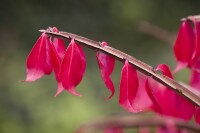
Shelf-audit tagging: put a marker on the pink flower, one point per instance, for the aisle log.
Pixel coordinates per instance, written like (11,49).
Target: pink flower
(68,64)
(187,53)
(133,96)
(166,101)
(187,45)
(72,68)
(38,62)
(184,45)
(128,87)
(106,65)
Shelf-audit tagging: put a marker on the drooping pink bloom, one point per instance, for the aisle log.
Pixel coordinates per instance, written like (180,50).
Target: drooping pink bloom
(184,45)
(161,93)
(106,65)
(57,51)
(38,62)
(175,105)
(187,51)
(72,67)
(128,87)
(187,45)
(133,95)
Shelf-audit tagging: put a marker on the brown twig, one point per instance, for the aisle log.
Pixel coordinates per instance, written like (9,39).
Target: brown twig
(134,121)
(137,64)
(156,32)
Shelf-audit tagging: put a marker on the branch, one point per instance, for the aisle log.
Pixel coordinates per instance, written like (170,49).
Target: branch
(135,121)
(137,64)
(156,32)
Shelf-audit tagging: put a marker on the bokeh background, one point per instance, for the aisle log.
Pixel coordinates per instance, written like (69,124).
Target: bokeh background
(31,107)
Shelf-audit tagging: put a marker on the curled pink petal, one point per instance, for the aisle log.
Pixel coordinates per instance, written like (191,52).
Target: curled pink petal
(128,87)
(184,45)
(106,65)
(165,70)
(72,67)
(60,88)
(38,62)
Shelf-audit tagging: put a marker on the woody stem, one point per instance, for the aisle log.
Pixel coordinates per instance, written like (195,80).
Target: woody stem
(134,121)
(190,94)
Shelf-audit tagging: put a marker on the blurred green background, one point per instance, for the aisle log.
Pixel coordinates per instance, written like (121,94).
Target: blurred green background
(31,107)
